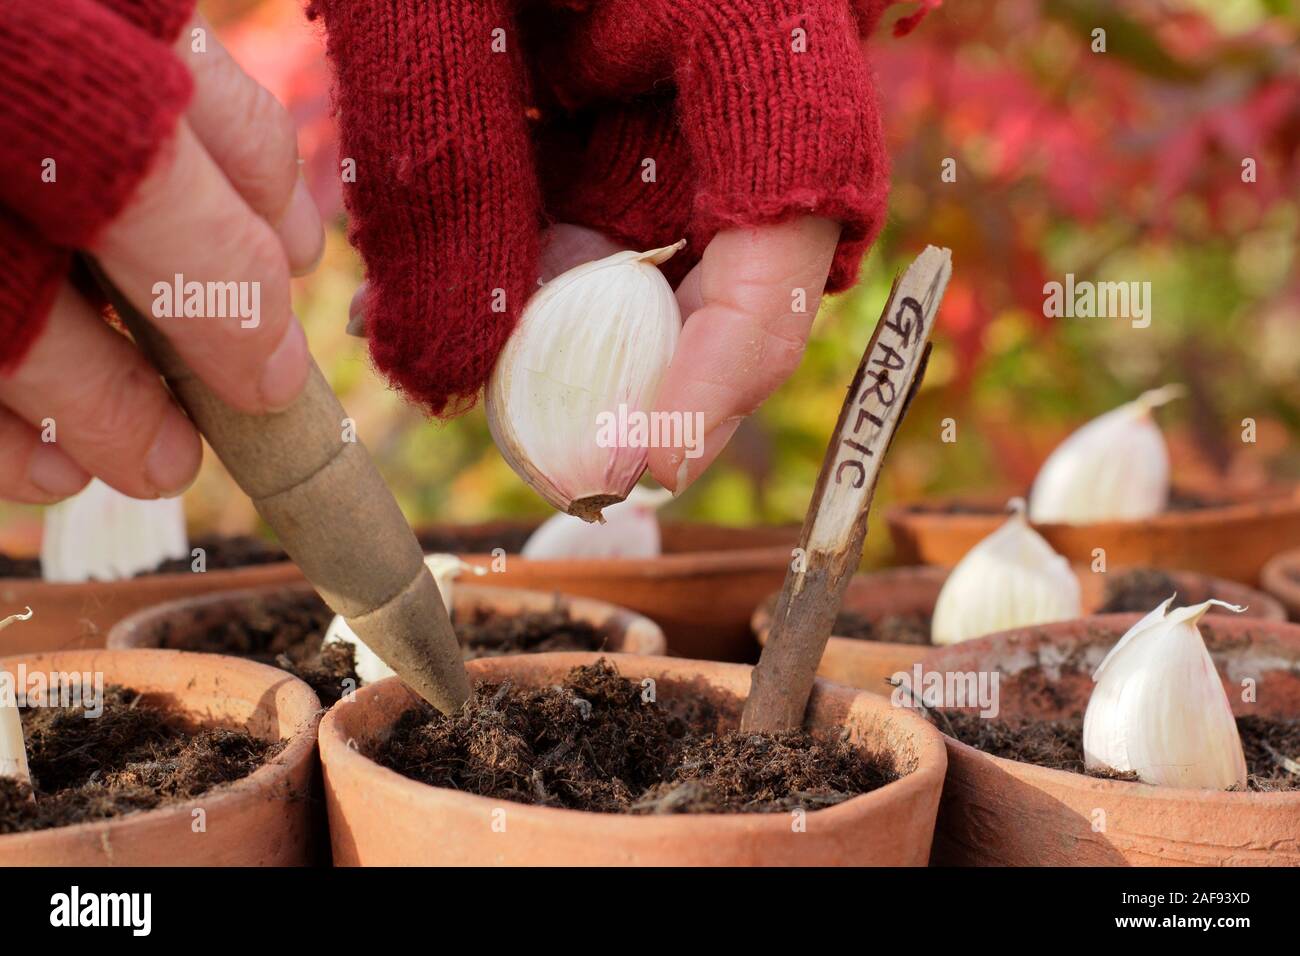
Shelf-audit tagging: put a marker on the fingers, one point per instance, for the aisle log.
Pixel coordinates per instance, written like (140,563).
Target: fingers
(253,139)
(190,252)
(751,303)
(112,416)
(32,471)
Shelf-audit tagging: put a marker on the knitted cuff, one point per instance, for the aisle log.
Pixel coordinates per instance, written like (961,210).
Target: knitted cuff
(29,280)
(624,171)
(88,99)
(444,208)
(780,112)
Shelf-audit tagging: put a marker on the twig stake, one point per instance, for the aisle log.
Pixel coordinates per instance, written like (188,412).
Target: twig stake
(836,524)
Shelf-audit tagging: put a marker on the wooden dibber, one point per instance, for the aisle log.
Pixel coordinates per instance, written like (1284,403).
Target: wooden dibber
(332,512)
(836,525)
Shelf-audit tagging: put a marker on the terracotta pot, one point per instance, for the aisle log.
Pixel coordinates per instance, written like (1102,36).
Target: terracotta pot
(1230,541)
(1006,813)
(914,590)
(265,819)
(378,817)
(1281,578)
(172,624)
(70,616)
(701,591)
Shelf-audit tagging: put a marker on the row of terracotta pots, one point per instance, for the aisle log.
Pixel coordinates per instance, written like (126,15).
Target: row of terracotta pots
(701,590)
(993,810)
(377,816)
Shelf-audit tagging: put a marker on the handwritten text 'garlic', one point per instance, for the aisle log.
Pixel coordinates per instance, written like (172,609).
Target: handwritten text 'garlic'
(595,338)
(369,666)
(1115,468)
(101,534)
(1159,708)
(1012,578)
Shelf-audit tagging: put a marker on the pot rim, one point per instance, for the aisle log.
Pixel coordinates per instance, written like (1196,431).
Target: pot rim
(931,761)
(1220,799)
(300,745)
(1249,507)
(760,621)
(635,626)
(1274,573)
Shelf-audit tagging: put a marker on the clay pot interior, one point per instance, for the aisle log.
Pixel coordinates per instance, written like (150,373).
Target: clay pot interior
(265,818)
(423,824)
(1009,812)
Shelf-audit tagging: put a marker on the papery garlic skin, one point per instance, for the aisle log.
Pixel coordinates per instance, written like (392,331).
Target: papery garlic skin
(631,530)
(13,749)
(593,338)
(1159,708)
(370,667)
(1012,578)
(1115,468)
(100,534)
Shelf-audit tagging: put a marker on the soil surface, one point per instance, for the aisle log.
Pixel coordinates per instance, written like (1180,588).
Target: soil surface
(288,631)
(1138,590)
(134,756)
(1058,744)
(596,744)
(894,628)
(224,552)
(1178,501)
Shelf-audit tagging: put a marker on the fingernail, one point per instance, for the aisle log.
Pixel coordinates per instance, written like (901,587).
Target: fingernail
(285,371)
(54,473)
(301,232)
(171,464)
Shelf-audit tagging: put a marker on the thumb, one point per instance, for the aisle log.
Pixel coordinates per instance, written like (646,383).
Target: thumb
(749,305)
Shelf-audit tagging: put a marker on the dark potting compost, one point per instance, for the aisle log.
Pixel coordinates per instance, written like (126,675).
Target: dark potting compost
(136,755)
(1057,744)
(892,628)
(221,552)
(1137,591)
(287,632)
(595,743)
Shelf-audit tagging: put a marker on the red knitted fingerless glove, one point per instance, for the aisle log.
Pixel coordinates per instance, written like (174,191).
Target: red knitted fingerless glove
(749,111)
(88,94)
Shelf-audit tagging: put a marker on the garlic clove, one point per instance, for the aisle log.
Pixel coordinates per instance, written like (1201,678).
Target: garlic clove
(1159,707)
(1115,468)
(100,534)
(370,667)
(593,342)
(1012,578)
(631,530)
(13,749)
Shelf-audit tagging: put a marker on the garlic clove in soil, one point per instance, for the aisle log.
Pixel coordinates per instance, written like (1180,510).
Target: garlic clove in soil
(591,347)
(13,749)
(101,534)
(1012,578)
(1159,708)
(1115,468)
(369,666)
(631,530)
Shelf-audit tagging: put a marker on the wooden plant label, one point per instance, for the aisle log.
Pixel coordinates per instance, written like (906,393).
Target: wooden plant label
(836,525)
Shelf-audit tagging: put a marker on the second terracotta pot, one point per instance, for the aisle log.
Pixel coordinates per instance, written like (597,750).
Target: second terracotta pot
(1007,813)
(379,817)
(264,819)
(913,592)
(1281,578)
(178,624)
(1230,540)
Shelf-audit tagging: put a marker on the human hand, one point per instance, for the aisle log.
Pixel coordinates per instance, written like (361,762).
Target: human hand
(180,166)
(748,127)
